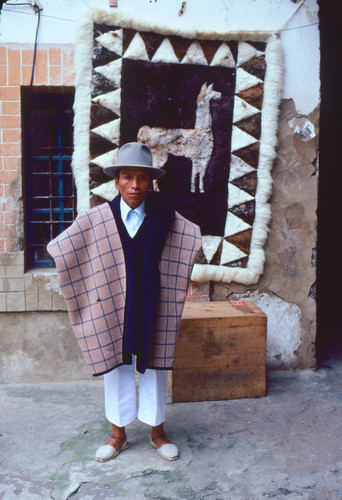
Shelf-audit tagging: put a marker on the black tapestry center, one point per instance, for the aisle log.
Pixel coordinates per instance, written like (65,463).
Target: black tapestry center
(166,96)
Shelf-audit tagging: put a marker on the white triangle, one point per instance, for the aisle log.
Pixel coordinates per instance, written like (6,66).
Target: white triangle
(195,55)
(241,139)
(137,49)
(245,80)
(110,131)
(246,52)
(230,253)
(165,53)
(234,225)
(112,40)
(243,110)
(223,57)
(106,190)
(236,196)
(238,168)
(111,101)
(210,245)
(111,71)
(107,159)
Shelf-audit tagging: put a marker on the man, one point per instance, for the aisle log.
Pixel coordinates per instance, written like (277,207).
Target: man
(124,269)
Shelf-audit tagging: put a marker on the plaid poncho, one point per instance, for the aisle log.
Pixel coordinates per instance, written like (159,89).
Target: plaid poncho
(91,273)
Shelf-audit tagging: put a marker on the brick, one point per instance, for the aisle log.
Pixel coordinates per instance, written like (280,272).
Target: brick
(3,55)
(16,259)
(40,71)
(26,56)
(4,205)
(10,244)
(12,163)
(31,289)
(55,56)
(26,72)
(31,302)
(3,76)
(9,217)
(11,135)
(10,93)
(58,302)
(12,285)
(13,57)
(15,272)
(68,67)
(9,149)
(28,277)
(8,231)
(2,246)
(10,107)
(7,176)
(16,302)
(3,302)
(9,121)
(44,300)
(11,195)
(55,75)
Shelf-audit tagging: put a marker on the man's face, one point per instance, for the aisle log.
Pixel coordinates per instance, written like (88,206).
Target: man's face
(133,184)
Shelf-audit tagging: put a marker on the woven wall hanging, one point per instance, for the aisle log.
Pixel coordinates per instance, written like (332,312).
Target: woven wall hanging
(207,106)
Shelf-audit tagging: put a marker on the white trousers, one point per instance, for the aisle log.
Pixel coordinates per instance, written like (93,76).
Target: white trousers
(121,401)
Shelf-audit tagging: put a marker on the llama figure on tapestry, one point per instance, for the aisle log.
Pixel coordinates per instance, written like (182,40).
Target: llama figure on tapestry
(194,143)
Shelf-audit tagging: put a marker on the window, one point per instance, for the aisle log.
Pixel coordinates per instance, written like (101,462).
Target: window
(49,191)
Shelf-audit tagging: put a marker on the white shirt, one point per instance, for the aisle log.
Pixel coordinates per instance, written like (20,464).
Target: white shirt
(132,218)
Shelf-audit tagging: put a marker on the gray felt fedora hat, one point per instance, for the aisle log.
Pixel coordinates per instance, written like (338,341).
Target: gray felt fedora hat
(134,154)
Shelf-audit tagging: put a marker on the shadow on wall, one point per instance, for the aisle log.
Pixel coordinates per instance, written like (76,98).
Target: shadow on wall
(329,333)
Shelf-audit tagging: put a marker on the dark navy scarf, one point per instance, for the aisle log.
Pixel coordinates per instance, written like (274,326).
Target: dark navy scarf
(142,297)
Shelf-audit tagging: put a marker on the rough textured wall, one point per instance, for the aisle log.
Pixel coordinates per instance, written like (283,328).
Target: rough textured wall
(286,291)
(39,346)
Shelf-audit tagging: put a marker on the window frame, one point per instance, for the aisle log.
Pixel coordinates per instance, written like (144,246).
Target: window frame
(56,217)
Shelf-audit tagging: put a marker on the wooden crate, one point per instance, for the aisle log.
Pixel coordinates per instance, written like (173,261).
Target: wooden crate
(221,352)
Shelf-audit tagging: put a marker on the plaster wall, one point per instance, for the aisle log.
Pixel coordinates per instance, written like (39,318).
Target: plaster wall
(299,34)
(30,354)
(286,291)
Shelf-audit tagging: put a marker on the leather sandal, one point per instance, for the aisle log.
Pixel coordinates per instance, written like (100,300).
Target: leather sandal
(107,452)
(168,451)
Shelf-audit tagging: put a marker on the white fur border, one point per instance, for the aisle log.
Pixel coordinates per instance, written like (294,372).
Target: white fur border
(83,69)
(125,20)
(268,140)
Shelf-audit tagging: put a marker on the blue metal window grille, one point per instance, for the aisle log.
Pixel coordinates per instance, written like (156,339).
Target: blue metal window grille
(50,198)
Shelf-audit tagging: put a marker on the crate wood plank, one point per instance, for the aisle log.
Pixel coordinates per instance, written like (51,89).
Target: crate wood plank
(221,352)
(220,309)
(213,384)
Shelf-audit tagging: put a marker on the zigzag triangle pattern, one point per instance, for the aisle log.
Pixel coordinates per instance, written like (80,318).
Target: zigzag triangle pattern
(233,248)
(244,153)
(112,40)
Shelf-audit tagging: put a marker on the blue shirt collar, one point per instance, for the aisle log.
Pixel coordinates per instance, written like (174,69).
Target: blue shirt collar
(125,209)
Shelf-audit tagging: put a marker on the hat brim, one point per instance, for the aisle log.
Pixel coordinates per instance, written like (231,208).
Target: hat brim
(156,173)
